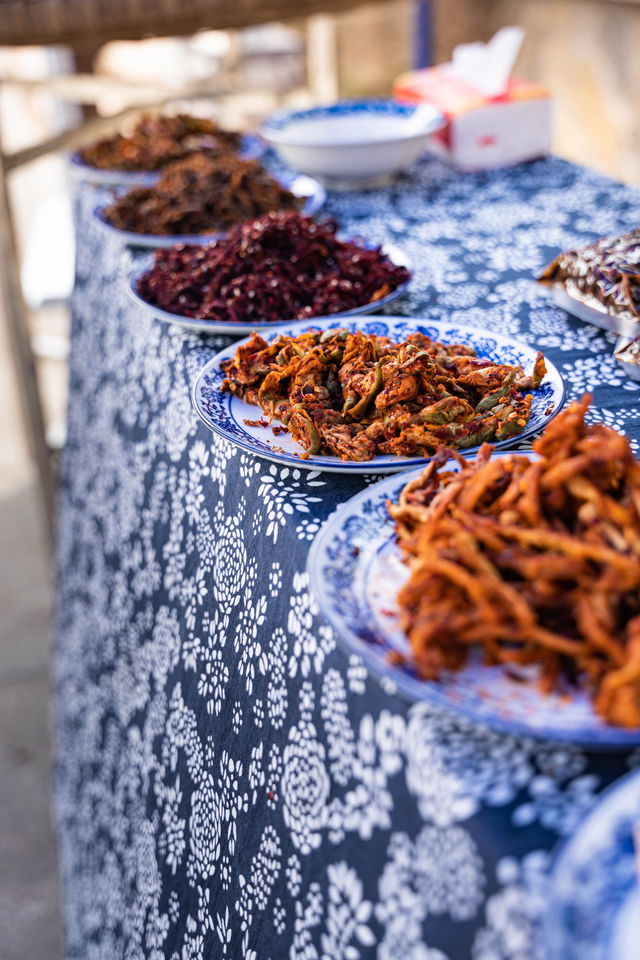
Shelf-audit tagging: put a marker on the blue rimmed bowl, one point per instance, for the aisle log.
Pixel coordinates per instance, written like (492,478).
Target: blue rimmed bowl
(353,144)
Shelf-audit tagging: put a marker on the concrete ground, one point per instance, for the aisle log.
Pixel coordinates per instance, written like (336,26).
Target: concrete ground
(30,926)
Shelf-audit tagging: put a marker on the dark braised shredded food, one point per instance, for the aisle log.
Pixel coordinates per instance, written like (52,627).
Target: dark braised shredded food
(200,195)
(356,395)
(156,141)
(606,273)
(278,267)
(531,561)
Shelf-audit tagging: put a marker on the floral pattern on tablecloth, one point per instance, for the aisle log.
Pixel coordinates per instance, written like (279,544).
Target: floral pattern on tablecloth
(228,782)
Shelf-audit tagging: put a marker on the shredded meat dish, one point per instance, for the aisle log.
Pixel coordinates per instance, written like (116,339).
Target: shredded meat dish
(199,195)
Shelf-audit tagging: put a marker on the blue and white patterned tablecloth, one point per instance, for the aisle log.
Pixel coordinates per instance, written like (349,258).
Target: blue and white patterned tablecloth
(228,783)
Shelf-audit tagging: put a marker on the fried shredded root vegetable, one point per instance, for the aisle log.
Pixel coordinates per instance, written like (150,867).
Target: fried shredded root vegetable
(356,395)
(534,561)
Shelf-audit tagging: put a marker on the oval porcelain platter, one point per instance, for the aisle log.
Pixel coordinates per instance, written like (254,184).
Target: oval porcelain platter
(195,325)
(242,423)
(252,147)
(302,186)
(594,888)
(356,569)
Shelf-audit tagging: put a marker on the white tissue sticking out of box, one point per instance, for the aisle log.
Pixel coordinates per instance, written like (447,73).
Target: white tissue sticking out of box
(488,66)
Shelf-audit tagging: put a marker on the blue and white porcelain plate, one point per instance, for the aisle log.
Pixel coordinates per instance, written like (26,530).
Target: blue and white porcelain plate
(252,147)
(356,570)
(314,194)
(194,325)
(594,891)
(239,422)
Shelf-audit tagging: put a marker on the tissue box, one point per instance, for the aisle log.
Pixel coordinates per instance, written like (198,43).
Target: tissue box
(482,131)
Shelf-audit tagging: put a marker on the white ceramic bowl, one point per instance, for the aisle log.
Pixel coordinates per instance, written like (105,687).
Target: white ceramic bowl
(353,143)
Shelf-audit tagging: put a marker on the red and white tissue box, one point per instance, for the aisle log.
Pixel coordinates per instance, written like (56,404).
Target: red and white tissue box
(482,131)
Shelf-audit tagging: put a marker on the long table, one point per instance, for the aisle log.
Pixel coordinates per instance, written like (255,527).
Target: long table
(229,783)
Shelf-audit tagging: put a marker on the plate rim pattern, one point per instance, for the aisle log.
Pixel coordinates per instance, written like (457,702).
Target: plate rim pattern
(615,809)
(226,426)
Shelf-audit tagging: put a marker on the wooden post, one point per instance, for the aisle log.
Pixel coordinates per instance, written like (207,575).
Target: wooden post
(15,311)
(322,58)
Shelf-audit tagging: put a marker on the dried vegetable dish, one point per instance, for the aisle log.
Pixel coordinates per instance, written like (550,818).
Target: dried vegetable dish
(533,561)
(200,195)
(156,141)
(355,395)
(627,353)
(277,267)
(603,274)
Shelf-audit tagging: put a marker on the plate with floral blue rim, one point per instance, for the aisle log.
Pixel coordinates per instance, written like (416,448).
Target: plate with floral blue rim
(195,325)
(235,420)
(252,147)
(302,186)
(593,908)
(355,571)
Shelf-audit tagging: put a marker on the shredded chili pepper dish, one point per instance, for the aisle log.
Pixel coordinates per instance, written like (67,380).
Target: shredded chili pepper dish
(535,561)
(276,267)
(156,141)
(356,395)
(199,195)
